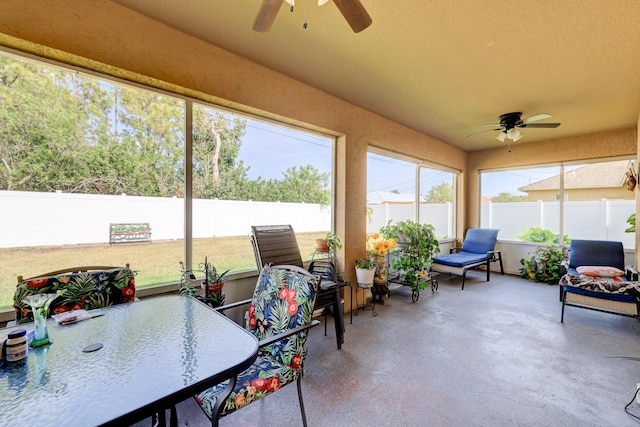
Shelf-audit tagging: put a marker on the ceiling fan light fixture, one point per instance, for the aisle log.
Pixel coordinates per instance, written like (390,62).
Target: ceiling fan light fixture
(514,134)
(321,2)
(501,137)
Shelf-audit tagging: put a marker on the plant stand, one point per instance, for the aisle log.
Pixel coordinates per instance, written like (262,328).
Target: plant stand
(396,278)
(362,288)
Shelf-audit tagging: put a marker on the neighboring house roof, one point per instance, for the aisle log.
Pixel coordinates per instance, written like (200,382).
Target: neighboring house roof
(597,175)
(379,197)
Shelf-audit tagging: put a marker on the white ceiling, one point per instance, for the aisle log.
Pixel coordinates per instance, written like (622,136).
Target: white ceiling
(444,67)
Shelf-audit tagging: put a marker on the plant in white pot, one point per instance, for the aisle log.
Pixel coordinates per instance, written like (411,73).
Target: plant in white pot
(365,270)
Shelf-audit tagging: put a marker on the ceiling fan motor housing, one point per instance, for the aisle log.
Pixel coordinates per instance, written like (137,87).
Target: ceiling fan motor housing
(511,120)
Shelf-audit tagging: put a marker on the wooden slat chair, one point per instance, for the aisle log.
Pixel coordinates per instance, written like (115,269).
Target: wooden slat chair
(277,244)
(477,249)
(87,288)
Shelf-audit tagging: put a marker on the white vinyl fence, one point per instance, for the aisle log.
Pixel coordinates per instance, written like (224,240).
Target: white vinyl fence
(43,219)
(440,215)
(596,220)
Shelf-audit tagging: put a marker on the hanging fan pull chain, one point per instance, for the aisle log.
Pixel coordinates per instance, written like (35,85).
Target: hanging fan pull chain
(304,8)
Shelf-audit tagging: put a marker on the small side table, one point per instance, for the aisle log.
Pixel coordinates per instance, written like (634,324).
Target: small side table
(364,306)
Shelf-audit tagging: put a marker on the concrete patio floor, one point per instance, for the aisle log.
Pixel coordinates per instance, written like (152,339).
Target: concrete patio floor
(494,354)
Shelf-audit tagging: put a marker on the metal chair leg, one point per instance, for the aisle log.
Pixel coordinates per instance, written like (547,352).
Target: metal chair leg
(304,415)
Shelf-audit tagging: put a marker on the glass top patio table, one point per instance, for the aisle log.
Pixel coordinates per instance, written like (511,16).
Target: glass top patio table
(156,352)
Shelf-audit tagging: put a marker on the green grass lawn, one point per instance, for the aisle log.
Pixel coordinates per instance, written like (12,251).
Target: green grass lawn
(155,262)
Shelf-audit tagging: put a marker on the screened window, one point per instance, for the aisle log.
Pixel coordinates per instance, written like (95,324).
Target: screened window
(577,201)
(394,185)
(82,152)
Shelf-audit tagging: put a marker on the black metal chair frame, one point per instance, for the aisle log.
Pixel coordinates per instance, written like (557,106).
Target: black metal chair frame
(277,245)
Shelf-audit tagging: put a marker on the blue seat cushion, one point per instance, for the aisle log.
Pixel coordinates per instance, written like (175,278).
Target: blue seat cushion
(460,259)
(480,240)
(596,252)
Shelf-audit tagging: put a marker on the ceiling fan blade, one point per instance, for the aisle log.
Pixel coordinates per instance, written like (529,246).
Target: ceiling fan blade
(266,15)
(540,125)
(354,13)
(484,131)
(537,117)
(492,124)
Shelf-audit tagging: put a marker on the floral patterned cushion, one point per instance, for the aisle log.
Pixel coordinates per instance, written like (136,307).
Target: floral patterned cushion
(87,290)
(281,301)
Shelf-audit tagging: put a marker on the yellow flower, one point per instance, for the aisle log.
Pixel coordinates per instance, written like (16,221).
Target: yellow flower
(377,245)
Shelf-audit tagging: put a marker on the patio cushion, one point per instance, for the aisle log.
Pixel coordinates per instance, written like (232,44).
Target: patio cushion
(85,290)
(480,240)
(604,289)
(461,259)
(600,271)
(281,301)
(574,272)
(596,253)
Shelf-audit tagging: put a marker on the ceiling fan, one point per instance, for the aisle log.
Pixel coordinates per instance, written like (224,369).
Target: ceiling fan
(352,10)
(510,122)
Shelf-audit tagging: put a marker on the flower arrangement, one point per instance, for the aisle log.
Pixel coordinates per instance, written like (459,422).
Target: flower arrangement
(378,245)
(419,245)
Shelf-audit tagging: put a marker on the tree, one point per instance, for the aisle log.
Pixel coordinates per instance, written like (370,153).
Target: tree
(153,133)
(441,193)
(62,130)
(305,184)
(216,145)
(508,197)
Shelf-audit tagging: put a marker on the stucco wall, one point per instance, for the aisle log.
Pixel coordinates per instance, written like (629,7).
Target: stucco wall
(106,37)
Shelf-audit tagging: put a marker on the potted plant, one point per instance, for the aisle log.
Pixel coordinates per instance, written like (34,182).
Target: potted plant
(379,247)
(366,269)
(545,265)
(416,246)
(213,283)
(329,243)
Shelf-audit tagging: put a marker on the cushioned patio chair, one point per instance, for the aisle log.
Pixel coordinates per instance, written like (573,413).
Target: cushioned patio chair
(280,315)
(603,288)
(477,249)
(87,288)
(277,244)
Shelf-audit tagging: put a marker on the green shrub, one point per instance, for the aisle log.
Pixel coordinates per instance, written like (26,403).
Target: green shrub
(541,235)
(545,265)
(632,223)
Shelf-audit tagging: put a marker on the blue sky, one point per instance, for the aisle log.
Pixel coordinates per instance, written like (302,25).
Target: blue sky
(288,148)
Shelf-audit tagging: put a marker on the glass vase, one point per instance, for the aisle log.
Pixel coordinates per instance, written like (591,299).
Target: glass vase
(40,308)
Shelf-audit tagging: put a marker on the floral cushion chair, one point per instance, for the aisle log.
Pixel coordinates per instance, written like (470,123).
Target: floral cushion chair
(80,288)
(280,315)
